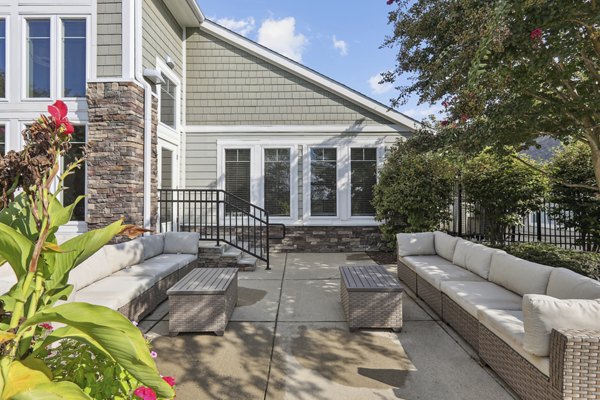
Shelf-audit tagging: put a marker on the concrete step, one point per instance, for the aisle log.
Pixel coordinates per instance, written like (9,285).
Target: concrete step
(247,263)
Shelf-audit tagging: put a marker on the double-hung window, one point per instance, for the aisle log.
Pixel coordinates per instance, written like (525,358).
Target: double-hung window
(75,183)
(2,58)
(38,58)
(74,57)
(277,182)
(168,98)
(323,181)
(363,176)
(237,179)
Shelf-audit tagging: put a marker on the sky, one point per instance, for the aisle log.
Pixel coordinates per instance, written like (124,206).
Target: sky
(339,39)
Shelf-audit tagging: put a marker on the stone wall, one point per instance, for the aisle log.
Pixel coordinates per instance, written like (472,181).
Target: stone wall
(116,153)
(324,239)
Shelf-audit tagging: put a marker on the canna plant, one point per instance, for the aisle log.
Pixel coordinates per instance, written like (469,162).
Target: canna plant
(30,215)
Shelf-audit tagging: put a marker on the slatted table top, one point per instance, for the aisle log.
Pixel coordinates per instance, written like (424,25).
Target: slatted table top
(369,278)
(205,281)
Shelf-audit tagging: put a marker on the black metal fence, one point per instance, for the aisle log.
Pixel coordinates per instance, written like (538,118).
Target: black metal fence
(468,220)
(218,216)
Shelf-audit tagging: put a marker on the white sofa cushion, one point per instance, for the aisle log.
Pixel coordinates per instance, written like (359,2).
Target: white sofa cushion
(6,285)
(518,275)
(179,260)
(181,242)
(478,259)
(7,278)
(436,274)
(475,296)
(157,269)
(424,261)
(96,267)
(124,254)
(543,313)
(115,291)
(153,245)
(566,284)
(460,252)
(415,244)
(444,244)
(508,326)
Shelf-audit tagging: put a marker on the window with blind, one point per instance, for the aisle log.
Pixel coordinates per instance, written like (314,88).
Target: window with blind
(277,182)
(363,176)
(2,140)
(75,183)
(167,102)
(323,181)
(237,178)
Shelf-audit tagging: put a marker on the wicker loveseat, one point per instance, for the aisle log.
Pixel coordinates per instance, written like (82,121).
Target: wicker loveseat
(131,277)
(538,327)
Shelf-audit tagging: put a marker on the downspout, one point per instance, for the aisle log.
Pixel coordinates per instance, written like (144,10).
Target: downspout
(147,116)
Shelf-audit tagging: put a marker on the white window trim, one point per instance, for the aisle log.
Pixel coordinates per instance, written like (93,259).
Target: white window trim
(169,133)
(7,59)
(56,54)
(342,145)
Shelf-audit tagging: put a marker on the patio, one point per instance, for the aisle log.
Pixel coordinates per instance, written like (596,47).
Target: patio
(287,339)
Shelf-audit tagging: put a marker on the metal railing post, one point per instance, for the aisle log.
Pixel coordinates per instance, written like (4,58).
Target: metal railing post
(218,218)
(268,258)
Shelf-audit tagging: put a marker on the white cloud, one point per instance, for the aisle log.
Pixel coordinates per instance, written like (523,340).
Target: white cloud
(377,88)
(423,111)
(241,26)
(340,45)
(281,36)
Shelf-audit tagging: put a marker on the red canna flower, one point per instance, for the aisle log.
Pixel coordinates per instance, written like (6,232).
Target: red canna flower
(390,2)
(536,34)
(46,326)
(444,122)
(59,112)
(170,380)
(145,393)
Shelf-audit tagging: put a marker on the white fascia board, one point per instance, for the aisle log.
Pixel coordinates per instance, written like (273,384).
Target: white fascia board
(187,12)
(309,74)
(336,129)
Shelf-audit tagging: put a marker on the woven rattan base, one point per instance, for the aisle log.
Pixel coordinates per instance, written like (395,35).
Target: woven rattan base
(431,295)
(407,276)
(462,322)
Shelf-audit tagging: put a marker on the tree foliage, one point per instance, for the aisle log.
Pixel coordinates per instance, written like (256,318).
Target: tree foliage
(507,71)
(502,189)
(576,207)
(414,190)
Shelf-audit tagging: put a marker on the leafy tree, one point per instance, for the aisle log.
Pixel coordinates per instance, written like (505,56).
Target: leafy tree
(414,191)
(576,207)
(503,190)
(506,71)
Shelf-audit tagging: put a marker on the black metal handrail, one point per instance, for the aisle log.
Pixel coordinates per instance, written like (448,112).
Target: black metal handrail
(218,216)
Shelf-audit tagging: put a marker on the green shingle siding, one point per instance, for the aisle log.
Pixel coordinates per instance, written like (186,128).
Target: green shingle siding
(109,38)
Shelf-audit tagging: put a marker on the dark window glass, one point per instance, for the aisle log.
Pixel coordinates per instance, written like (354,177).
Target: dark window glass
(323,181)
(75,183)
(237,178)
(38,58)
(2,140)
(74,60)
(277,182)
(167,102)
(2,58)
(363,176)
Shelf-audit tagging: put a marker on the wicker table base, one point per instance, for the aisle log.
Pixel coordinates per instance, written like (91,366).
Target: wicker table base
(371,297)
(203,301)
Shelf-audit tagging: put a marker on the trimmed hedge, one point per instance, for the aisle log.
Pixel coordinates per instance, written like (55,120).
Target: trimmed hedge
(585,263)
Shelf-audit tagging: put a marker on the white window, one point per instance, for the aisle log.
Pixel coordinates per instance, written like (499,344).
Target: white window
(363,176)
(38,58)
(2,58)
(276,188)
(2,139)
(323,182)
(168,102)
(74,58)
(75,184)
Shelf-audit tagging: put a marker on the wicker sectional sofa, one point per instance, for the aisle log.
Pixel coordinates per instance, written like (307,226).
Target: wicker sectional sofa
(538,327)
(131,277)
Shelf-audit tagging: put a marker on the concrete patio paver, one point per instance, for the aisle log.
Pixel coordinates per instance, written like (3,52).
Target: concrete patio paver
(288,340)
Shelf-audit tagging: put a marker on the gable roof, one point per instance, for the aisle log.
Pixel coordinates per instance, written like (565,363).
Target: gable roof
(396,118)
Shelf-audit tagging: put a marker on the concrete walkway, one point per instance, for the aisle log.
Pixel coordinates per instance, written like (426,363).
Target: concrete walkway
(287,339)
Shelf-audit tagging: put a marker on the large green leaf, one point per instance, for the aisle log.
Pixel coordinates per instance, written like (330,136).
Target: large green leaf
(18,216)
(77,250)
(59,214)
(53,391)
(16,249)
(24,376)
(115,333)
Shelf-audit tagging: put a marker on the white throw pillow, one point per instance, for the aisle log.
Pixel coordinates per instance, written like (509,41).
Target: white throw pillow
(416,244)
(153,245)
(478,259)
(444,245)
(518,275)
(543,313)
(181,242)
(566,284)
(460,252)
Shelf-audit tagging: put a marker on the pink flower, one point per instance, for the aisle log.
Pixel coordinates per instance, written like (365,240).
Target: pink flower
(390,2)
(145,393)
(153,354)
(445,104)
(444,122)
(59,112)
(170,380)
(46,326)
(536,34)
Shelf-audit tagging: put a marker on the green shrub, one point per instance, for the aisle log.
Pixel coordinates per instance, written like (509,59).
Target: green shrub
(585,263)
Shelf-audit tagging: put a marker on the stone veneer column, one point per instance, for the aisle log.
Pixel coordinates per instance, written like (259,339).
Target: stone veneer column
(115,161)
